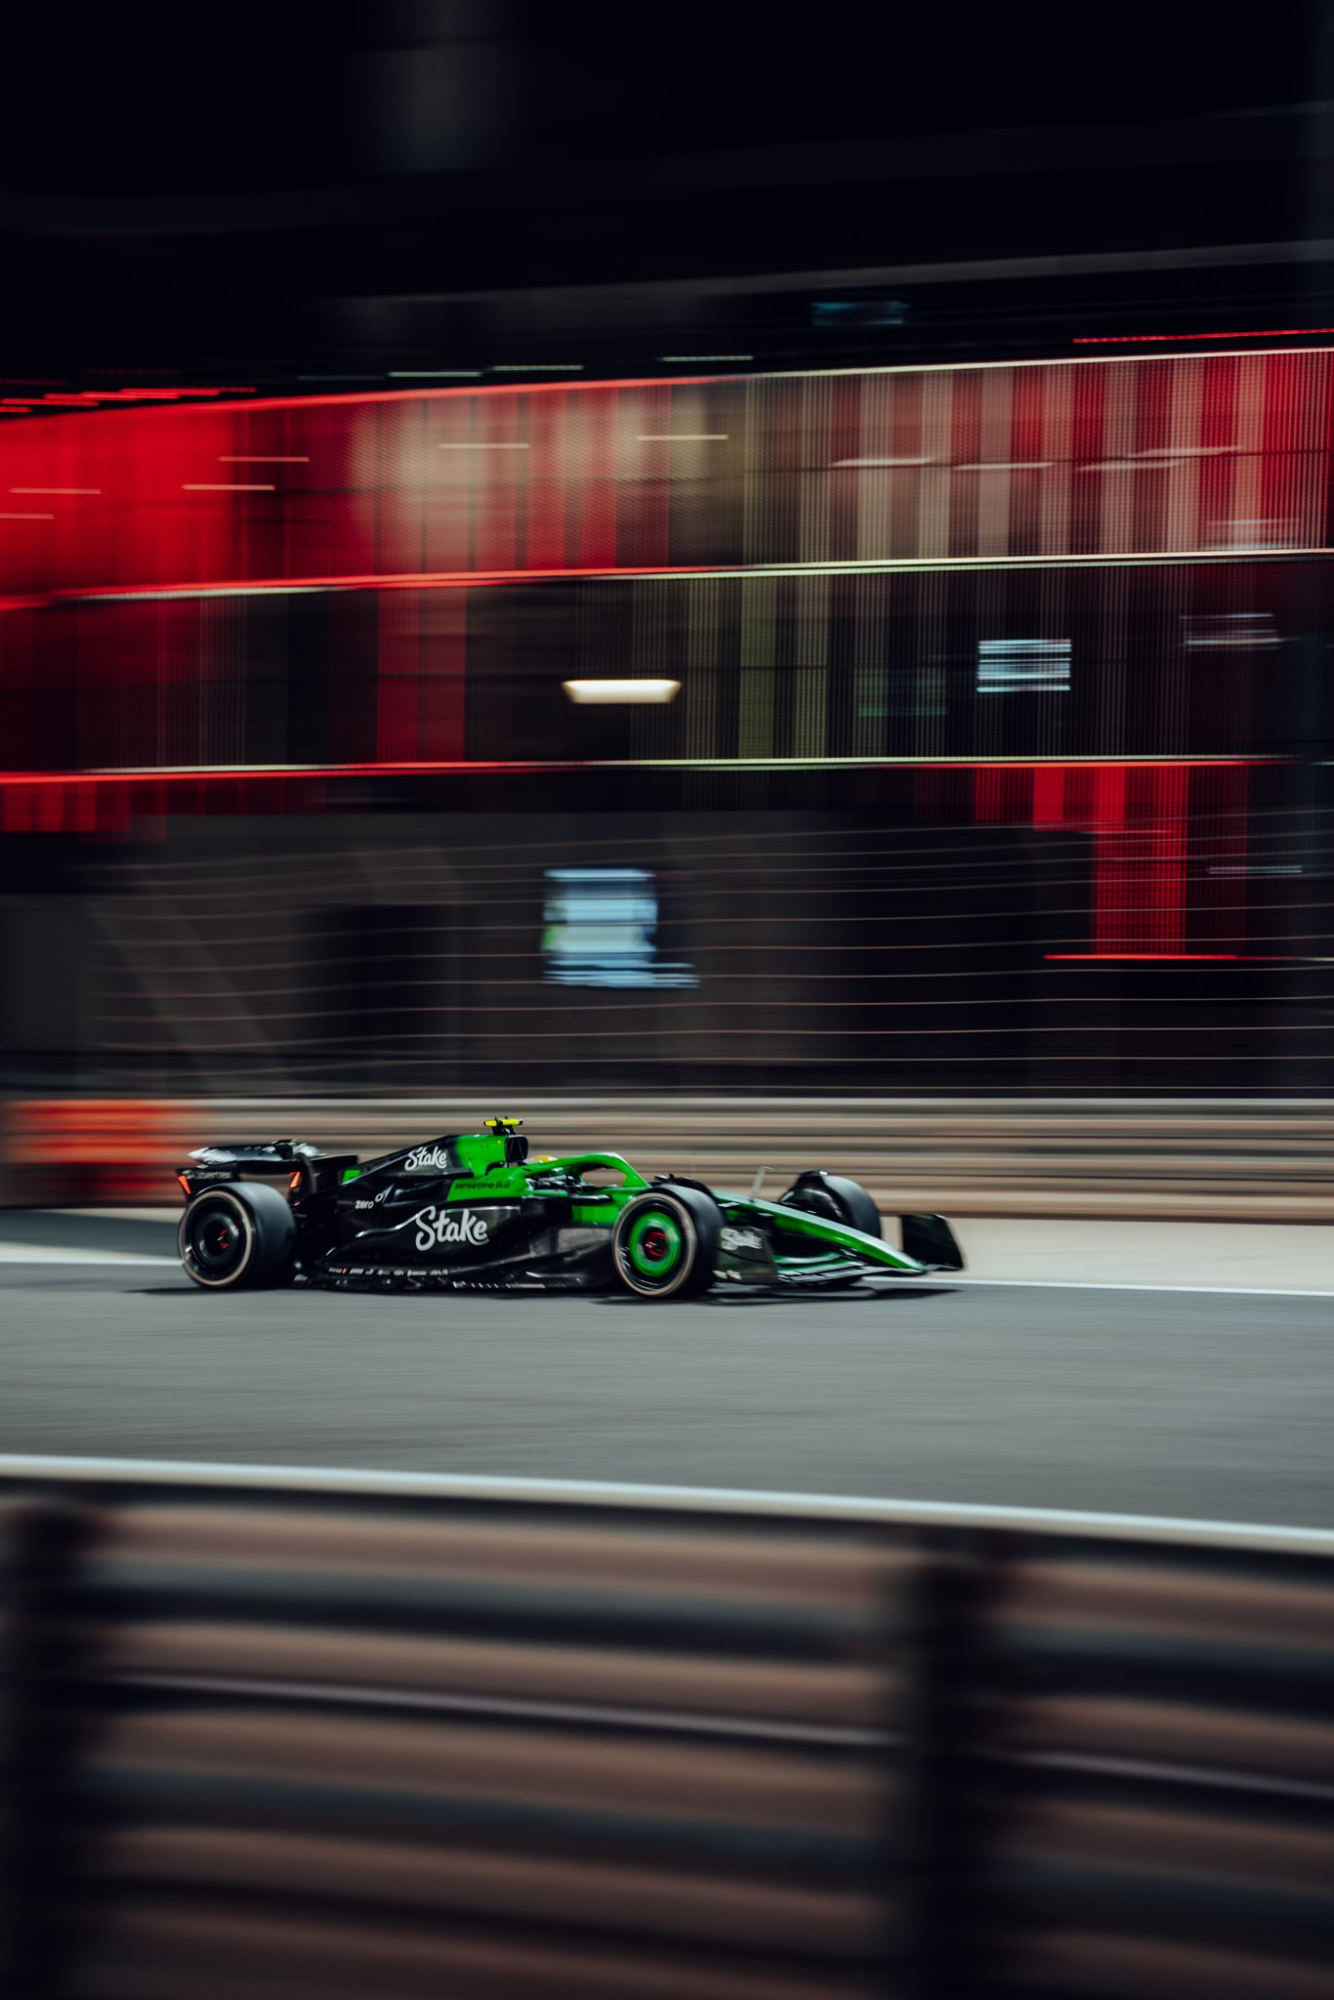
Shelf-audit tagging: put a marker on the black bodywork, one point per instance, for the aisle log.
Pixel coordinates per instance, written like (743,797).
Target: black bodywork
(472,1211)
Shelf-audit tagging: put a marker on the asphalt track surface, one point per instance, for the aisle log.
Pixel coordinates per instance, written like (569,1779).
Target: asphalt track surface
(1191,1404)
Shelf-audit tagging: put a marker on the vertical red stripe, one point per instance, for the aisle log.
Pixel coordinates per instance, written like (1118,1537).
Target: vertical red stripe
(594,498)
(1112,889)
(1049,795)
(547,467)
(1168,875)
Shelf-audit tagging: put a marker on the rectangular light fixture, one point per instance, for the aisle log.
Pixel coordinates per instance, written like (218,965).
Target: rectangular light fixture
(1007,665)
(604,692)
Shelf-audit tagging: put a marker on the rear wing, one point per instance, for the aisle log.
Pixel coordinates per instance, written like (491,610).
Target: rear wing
(302,1168)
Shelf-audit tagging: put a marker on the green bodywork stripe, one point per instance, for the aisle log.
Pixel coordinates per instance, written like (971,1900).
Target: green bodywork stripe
(837,1235)
(594,1214)
(573,1163)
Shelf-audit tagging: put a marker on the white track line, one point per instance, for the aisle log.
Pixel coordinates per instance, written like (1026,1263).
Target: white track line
(26,1469)
(38,1253)
(953,1279)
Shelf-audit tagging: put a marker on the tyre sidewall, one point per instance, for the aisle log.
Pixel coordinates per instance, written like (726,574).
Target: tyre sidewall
(267,1225)
(699,1219)
(842,1200)
(859,1211)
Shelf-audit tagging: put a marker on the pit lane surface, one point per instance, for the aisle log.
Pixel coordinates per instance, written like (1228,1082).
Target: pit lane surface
(1140,1402)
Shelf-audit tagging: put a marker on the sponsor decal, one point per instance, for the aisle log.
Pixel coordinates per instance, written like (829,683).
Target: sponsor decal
(742,1239)
(439,1226)
(428,1160)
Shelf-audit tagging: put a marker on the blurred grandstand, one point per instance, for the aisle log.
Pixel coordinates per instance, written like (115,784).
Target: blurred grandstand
(996,761)
(494,596)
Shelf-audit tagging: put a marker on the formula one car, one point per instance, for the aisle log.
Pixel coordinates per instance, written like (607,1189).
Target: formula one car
(472,1212)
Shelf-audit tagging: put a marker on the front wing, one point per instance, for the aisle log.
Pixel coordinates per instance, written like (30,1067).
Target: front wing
(817,1251)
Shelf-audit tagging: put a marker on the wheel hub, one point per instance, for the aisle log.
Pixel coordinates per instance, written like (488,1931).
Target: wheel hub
(217,1239)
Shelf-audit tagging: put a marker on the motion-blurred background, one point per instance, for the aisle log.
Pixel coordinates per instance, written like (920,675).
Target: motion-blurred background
(923,425)
(755,587)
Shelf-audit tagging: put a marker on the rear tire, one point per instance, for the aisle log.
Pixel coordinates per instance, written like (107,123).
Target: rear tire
(665,1244)
(840,1200)
(237,1237)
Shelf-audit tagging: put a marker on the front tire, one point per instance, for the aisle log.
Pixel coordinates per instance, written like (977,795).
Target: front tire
(237,1237)
(837,1198)
(665,1244)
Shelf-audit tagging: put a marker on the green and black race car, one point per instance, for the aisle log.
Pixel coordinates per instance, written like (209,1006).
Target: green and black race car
(473,1212)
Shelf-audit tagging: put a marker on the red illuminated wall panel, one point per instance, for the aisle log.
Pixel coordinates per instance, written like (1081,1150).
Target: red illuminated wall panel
(1189,453)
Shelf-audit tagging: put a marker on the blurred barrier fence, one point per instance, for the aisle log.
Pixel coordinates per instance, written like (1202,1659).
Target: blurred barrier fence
(1169,1159)
(330,1735)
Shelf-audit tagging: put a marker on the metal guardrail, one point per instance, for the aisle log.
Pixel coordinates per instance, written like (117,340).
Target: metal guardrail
(1168,1159)
(338,1735)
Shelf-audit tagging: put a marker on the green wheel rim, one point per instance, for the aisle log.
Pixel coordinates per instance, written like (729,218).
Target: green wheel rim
(655,1249)
(655,1243)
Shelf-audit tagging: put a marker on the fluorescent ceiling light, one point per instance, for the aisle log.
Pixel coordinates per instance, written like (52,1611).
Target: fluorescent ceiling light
(839,463)
(681,437)
(593,693)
